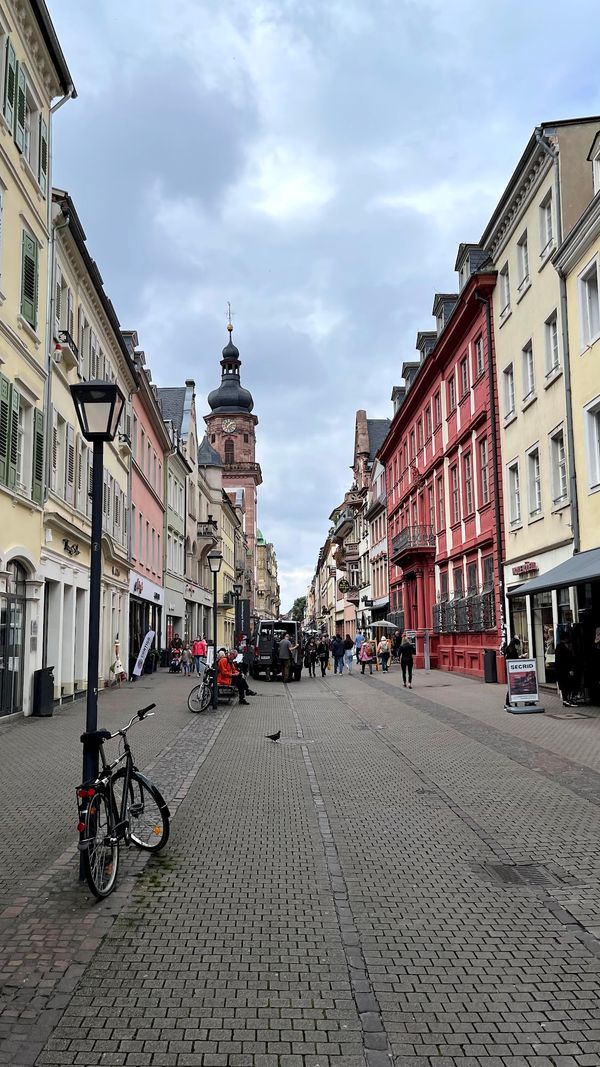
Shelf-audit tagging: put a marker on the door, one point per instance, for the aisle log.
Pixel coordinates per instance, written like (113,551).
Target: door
(12,630)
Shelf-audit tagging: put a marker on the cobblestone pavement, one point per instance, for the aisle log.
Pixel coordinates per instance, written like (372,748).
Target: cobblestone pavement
(398,881)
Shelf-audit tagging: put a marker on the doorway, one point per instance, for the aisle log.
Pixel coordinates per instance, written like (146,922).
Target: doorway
(12,635)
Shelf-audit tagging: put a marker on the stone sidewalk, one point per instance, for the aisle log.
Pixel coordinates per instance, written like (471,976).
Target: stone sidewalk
(390,884)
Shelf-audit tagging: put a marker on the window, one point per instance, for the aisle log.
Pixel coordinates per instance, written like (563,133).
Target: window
(552,353)
(420,434)
(459,590)
(588,304)
(141,538)
(592,430)
(451,394)
(143,449)
(535,482)
(464,377)
(229,452)
(514,494)
(468,476)
(479,357)
(558,467)
(509,391)
(29,279)
(412,444)
(245,438)
(437,410)
(546,227)
(485,476)
(443,585)
(455,494)
(440,506)
(488,572)
(504,292)
(471,579)
(427,423)
(528,371)
(523,262)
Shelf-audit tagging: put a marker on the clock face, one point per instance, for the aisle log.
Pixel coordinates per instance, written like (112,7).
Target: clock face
(228,425)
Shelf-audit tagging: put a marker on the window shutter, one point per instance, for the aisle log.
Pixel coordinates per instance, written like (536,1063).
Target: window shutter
(54,464)
(90,478)
(29,280)
(4,427)
(58,300)
(13,438)
(43,156)
(10,85)
(70,464)
(37,474)
(20,109)
(70,314)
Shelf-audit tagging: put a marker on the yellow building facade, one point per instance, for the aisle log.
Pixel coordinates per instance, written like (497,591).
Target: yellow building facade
(35,80)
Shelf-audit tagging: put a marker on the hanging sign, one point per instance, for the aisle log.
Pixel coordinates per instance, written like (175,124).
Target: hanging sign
(146,643)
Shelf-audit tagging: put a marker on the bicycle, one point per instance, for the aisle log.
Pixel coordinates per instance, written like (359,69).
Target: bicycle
(200,697)
(120,805)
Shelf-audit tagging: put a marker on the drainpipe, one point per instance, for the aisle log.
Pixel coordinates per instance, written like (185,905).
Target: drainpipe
(493,402)
(574,505)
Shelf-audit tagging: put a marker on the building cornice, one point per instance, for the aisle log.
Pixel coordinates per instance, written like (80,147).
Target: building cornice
(516,199)
(585,231)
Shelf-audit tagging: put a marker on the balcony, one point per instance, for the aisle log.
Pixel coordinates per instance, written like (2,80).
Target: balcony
(344,524)
(413,541)
(351,551)
(207,534)
(376,506)
(68,348)
(353,594)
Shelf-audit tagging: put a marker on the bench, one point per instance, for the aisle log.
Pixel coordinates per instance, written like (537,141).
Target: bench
(226,693)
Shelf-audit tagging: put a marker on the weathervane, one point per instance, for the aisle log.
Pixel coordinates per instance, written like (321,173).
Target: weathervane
(229,317)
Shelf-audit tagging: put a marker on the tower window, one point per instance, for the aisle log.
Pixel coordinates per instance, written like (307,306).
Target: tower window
(229,455)
(246,438)
(213,438)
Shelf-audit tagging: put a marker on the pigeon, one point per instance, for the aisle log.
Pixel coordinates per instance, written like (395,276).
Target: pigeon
(273,737)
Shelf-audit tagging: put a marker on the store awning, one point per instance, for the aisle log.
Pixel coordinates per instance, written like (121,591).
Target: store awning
(583,567)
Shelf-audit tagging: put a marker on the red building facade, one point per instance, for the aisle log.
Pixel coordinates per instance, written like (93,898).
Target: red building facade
(443,483)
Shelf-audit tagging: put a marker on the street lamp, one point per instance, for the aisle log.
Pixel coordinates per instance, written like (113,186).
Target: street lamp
(215,560)
(98,406)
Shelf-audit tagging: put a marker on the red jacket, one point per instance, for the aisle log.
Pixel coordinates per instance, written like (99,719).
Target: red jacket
(199,648)
(225,671)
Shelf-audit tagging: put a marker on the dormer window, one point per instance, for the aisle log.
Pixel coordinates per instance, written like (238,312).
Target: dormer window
(596,171)
(463,274)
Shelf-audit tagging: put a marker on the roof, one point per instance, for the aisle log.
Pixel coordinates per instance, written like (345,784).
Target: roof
(172,399)
(207,455)
(42,17)
(580,568)
(378,430)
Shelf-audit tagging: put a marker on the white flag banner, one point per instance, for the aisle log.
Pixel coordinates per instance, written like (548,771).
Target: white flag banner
(139,663)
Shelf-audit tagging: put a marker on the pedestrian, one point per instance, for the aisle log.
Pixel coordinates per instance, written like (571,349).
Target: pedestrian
(310,657)
(513,649)
(565,671)
(228,674)
(366,657)
(396,642)
(407,651)
(358,641)
(348,651)
(383,651)
(176,643)
(337,648)
(323,655)
(286,650)
(199,650)
(186,660)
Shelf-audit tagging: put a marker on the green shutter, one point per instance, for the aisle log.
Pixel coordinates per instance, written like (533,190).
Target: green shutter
(13,438)
(43,156)
(29,280)
(10,84)
(20,108)
(4,427)
(37,474)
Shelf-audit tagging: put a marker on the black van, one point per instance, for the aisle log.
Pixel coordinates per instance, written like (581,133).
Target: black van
(262,646)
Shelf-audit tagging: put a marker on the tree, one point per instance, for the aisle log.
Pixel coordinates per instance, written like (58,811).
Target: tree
(299,608)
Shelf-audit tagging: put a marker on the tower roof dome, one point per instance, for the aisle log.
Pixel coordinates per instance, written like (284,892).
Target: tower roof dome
(230,395)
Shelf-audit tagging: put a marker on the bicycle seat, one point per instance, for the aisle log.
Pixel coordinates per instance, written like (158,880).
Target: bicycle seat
(95,738)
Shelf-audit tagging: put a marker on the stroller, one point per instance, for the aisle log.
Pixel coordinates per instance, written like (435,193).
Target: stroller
(175,664)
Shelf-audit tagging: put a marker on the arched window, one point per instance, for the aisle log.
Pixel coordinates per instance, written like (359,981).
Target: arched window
(229,455)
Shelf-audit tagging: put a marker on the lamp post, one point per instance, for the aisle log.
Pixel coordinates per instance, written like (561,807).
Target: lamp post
(237,592)
(215,560)
(98,406)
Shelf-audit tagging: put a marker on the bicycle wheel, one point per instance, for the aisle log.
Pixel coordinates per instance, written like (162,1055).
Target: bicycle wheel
(200,697)
(146,813)
(101,857)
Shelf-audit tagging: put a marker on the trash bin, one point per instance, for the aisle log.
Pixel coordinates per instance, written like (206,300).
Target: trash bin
(490,671)
(43,692)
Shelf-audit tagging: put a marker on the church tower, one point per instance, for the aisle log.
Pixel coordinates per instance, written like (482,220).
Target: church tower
(230,429)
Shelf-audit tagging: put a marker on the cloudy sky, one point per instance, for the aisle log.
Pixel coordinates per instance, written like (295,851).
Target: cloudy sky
(315,162)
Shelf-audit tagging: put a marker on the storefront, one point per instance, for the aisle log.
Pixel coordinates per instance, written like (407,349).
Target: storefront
(561,605)
(146,601)
(20,624)
(175,613)
(64,566)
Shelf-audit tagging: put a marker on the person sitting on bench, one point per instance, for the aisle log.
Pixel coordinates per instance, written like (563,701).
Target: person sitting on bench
(228,674)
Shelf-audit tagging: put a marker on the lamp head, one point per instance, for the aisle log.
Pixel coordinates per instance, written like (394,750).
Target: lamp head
(99,406)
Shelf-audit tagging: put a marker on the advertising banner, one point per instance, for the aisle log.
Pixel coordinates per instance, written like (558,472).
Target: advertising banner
(146,643)
(522,680)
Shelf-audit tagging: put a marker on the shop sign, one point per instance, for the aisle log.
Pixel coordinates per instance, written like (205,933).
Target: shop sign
(343,585)
(529,566)
(70,547)
(138,585)
(522,681)
(144,588)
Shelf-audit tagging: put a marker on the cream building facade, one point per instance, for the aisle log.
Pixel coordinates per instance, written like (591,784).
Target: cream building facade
(33,75)
(87,343)
(267,585)
(548,191)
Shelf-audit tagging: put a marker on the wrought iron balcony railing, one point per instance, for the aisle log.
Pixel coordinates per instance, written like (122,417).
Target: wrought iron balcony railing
(420,537)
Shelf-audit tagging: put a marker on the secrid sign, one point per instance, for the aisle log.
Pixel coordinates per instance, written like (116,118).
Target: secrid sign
(522,681)
(529,566)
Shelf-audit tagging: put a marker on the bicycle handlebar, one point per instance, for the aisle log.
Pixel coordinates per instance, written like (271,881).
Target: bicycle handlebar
(138,717)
